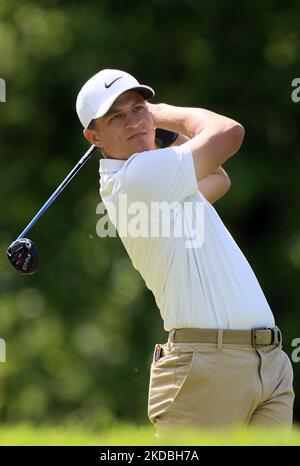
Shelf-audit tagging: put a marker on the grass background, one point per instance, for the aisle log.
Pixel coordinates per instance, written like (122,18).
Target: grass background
(133,435)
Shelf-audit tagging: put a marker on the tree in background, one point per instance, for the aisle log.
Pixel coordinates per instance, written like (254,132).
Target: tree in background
(80,332)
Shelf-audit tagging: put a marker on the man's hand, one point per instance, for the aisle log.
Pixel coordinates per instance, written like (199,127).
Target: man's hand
(154,110)
(212,138)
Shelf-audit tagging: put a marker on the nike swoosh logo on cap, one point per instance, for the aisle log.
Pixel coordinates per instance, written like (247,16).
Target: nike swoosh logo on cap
(110,84)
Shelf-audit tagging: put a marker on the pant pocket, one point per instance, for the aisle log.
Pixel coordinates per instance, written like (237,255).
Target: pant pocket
(167,376)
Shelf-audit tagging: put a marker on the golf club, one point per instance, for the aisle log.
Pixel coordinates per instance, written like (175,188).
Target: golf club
(22,253)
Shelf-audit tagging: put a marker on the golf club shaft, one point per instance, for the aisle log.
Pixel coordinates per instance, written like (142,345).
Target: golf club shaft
(60,188)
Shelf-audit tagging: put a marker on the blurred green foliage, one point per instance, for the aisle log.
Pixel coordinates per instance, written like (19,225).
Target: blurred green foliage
(80,332)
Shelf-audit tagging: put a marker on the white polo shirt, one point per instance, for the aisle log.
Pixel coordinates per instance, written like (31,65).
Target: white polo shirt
(184,252)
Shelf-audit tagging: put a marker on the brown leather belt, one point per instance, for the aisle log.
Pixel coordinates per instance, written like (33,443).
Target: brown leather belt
(257,337)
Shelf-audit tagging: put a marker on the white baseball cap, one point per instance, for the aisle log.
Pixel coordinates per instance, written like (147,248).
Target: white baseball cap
(101,90)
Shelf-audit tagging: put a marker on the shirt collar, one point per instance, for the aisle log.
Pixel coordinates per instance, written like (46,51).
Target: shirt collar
(110,165)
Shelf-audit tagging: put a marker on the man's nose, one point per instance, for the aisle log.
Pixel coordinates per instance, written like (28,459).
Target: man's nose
(133,120)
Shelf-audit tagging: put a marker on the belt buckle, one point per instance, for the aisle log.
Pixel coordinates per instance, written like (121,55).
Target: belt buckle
(277,336)
(253,338)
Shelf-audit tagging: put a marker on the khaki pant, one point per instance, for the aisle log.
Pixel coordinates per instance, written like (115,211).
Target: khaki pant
(200,385)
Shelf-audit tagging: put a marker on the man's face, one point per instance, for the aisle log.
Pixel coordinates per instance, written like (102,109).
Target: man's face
(125,129)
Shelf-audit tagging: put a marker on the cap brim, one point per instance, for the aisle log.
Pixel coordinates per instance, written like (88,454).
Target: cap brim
(146,91)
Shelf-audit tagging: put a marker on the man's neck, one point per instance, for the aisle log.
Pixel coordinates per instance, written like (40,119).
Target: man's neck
(111,157)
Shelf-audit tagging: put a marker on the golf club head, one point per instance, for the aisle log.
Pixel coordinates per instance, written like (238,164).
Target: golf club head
(23,255)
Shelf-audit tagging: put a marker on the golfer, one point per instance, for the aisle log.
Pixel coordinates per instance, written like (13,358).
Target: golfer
(223,362)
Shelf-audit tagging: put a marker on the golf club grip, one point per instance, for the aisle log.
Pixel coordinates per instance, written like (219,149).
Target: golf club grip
(60,188)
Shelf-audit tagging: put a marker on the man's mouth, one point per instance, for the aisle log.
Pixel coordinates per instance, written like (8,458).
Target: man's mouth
(137,135)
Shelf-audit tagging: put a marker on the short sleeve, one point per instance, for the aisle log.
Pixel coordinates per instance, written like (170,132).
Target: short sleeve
(160,175)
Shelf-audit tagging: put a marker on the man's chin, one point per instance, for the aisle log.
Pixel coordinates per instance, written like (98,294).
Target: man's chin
(134,146)
(140,145)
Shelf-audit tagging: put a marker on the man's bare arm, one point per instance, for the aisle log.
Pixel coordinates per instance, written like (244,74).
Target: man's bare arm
(213,138)
(215,185)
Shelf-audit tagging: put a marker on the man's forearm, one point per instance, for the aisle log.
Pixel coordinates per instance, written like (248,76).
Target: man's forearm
(188,121)
(215,185)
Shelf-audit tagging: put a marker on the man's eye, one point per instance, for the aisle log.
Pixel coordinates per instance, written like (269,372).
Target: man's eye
(115,117)
(138,108)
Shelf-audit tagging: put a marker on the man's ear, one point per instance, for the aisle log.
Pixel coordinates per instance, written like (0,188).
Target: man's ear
(92,137)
